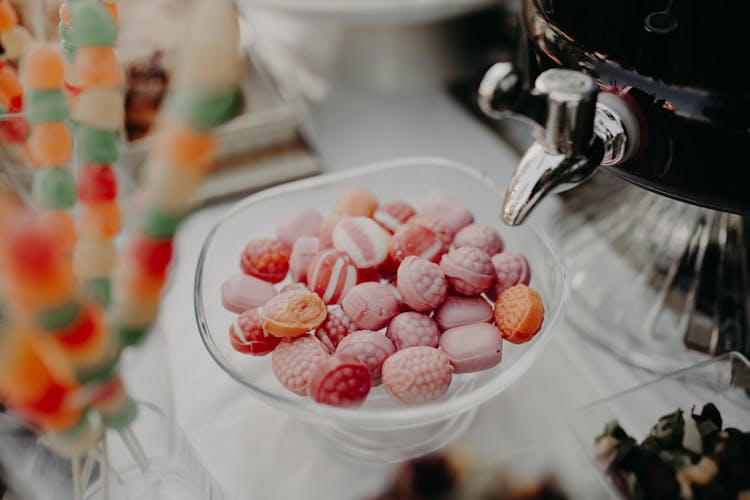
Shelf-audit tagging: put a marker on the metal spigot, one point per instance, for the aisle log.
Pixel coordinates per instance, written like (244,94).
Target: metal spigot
(574,133)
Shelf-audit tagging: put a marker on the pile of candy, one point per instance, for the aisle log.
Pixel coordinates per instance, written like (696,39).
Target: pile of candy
(684,456)
(380,294)
(14,40)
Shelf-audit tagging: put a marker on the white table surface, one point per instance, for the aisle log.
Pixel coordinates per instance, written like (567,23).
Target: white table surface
(257,452)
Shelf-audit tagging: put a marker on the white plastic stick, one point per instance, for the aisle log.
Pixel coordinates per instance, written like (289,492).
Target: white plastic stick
(125,436)
(76,472)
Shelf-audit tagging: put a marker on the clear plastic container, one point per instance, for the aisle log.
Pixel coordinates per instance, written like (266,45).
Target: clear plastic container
(381,429)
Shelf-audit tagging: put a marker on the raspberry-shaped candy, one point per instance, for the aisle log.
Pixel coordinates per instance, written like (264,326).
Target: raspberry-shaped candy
(341,380)
(421,283)
(451,212)
(393,214)
(469,270)
(294,360)
(479,236)
(411,329)
(247,335)
(266,259)
(511,269)
(335,327)
(519,313)
(417,374)
(371,348)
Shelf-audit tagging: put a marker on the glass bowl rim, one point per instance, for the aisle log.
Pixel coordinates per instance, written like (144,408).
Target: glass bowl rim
(421,414)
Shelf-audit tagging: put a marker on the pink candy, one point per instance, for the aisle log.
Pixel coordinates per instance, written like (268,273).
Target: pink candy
(326,230)
(472,348)
(247,335)
(336,326)
(436,225)
(411,329)
(459,310)
(304,251)
(511,269)
(469,270)
(421,283)
(241,292)
(417,240)
(451,212)
(294,361)
(340,380)
(371,306)
(417,374)
(371,348)
(302,222)
(362,239)
(393,214)
(479,236)
(331,274)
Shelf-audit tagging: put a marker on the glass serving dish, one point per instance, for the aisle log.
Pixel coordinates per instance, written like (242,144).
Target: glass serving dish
(381,429)
(723,381)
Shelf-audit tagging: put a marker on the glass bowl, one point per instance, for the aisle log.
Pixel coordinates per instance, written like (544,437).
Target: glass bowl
(723,381)
(381,429)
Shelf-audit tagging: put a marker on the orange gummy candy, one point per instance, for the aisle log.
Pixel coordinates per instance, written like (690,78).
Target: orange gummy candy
(518,314)
(50,144)
(96,67)
(8,16)
(64,13)
(111,7)
(141,282)
(23,375)
(42,67)
(294,313)
(356,202)
(186,147)
(62,224)
(99,220)
(10,85)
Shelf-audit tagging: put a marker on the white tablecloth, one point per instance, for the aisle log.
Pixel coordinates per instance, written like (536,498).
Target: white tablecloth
(257,452)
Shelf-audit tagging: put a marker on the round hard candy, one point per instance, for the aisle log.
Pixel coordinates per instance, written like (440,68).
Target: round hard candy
(371,348)
(411,329)
(469,270)
(363,240)
(266,259)
(472,348)
(459,310)
(371,306)
(294,361)
(481,236)
(519,313)
(421,283)
(336,326)
(511,269)
(417,374)
(246,334)
(393,214)
(331,274)
(340,380)
(302,222)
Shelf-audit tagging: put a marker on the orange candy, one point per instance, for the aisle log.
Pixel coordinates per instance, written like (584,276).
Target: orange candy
(356,202)
(62,224)
(10,85)
(185,146)
(23,375)
(50,144)
(64,13)
(141,282)
(111,7)
(294,313)
(96,67)
(8,16)
(99,220)
(42,67)
(518,314)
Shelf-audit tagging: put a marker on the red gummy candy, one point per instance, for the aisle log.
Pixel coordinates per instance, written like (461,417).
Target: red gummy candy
(96,183)
(266,259)
(152,255)
(341,380)
(247,335)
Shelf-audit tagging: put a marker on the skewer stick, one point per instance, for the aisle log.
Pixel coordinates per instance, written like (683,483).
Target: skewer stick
(134,451)
(76,472)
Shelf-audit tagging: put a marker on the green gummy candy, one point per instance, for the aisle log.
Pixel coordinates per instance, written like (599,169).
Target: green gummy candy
(131,335)
(66,32)
(158,224)
(69,50)
(53,188)
(93,25)
(206,110)
(100,373)
(56,318)
(3,109)
(46,106)
(124,417)
(78,428)
(96,145)
(99,290)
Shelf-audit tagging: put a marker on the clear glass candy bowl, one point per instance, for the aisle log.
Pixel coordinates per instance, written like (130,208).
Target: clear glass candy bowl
(381,429)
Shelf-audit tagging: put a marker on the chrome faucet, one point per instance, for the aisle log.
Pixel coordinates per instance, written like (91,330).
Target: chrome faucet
(576,129)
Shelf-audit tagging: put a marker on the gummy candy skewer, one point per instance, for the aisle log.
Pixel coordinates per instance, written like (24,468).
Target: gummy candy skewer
(98,111)
(185,147)
(50,145)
